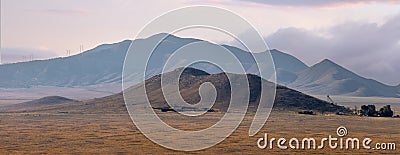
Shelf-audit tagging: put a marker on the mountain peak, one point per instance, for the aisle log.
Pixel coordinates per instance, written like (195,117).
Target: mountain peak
(162,35)
(327,64)
(189,71)
(171,37)
(286,61)
(194,71)
(323,72)
(327,61)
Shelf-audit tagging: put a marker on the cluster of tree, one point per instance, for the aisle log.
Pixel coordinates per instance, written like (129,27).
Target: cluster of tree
(369,110)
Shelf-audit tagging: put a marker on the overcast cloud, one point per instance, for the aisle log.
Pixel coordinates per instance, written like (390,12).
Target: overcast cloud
(369,49)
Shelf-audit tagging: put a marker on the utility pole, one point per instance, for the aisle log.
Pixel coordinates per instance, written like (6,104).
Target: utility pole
(68,53)
(80,48)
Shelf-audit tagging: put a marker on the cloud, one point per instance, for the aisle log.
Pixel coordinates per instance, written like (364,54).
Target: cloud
(369,49)
(60,11)
(12,55)
(318,3)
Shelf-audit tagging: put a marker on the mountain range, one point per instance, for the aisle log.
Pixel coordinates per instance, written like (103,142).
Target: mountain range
(103,65)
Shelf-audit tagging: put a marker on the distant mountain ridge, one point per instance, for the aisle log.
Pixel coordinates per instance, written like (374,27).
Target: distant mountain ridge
(103,65)
(98,65)
(38,103)
(327,77)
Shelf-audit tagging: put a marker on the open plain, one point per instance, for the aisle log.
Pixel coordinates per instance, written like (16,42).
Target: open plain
(115,133)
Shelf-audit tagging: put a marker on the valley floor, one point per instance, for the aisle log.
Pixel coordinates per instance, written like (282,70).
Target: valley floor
(54,133)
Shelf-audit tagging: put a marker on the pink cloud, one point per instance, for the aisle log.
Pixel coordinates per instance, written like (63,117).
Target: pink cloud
(319,4)
(61,11)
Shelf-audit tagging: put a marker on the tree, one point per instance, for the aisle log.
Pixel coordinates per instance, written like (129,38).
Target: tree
(372,110)
(386,111)
(369,110)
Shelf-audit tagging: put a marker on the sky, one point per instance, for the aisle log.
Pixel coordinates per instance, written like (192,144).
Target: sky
(361,35)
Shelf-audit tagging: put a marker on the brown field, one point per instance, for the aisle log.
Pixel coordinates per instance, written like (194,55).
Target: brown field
(52,133)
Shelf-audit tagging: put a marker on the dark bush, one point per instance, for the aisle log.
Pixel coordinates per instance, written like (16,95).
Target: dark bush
(369,110)
(385,111)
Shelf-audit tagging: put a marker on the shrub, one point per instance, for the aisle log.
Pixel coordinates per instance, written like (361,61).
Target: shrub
(385,111)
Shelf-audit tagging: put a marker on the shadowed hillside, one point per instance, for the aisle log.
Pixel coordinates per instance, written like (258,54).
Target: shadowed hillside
(190,81)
